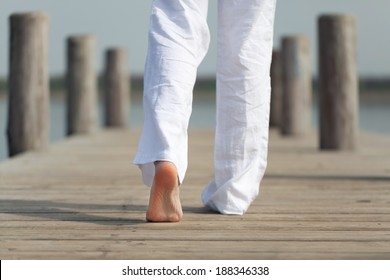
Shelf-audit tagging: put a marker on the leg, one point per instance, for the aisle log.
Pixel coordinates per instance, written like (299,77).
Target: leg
(245,37)
(178,41)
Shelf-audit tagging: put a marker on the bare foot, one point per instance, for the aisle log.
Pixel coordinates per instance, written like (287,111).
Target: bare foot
(164,201)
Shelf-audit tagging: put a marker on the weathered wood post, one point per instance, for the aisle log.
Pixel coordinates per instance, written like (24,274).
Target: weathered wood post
(117,92)
(297,88)
(81,83)
(28,114)
(338,82)
(276,89)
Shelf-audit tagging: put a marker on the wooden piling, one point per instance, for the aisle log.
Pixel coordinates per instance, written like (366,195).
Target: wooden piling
(28,114)
(297,89)
(117,93)
(81,85)
(338,82)
(276,89)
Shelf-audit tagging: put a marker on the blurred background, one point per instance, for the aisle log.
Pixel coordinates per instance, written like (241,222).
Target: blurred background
(124,24)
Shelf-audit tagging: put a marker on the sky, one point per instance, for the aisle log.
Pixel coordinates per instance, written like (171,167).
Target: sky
(124,23)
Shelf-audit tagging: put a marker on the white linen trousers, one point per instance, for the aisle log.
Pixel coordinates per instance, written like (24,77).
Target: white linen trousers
(178,41)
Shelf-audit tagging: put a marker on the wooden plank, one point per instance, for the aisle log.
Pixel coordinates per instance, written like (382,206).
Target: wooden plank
(105,230)
(214,249)
(114,216)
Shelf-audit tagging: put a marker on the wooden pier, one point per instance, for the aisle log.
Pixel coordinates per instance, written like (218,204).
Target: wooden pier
(83,199)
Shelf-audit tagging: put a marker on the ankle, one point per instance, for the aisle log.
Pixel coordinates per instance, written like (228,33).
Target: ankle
(166,173)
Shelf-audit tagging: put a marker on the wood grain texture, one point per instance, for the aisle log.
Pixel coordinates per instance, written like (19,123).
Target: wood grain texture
(83,199)
(81,84)
(297,89)
(28,114)
(338,82)
(275,119)
(117,88)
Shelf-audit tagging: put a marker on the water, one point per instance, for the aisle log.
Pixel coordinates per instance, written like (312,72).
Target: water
(202,116)
(374,115)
